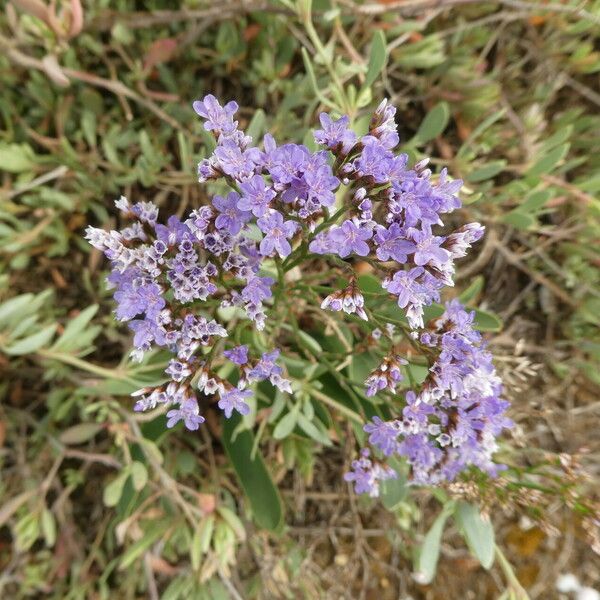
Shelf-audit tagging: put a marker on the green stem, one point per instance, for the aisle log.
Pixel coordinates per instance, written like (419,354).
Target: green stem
(83,365)
(306,18)
(334,404)
(507,569)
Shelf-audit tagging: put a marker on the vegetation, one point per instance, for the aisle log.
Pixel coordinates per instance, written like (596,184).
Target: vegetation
(96,500)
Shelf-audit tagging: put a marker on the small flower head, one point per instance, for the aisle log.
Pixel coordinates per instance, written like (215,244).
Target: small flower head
(234,399)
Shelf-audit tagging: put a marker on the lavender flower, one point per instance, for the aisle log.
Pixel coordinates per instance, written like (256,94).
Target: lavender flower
(188,413)
(350,239)
(218,118)
(454,421)
(231,217)
(172,280)
(234,399)
(367,475)
(336,135)
(277,232)
(256,196)
(350,300)
(237,355)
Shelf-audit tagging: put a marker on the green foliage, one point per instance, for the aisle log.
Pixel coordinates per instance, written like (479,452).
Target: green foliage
(512,111)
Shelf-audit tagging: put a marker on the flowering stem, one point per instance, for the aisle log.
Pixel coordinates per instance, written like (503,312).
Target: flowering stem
(334,404)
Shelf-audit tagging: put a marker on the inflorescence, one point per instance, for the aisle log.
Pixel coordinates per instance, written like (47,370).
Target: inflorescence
(354,198)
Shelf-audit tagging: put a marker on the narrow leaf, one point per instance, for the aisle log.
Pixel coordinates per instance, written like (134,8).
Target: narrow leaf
(478,533)
(427,559)
(286,425)
(549,161)
(80,433)
(253,475)
(74,328)
(434,123)
(33,342)
(376,58)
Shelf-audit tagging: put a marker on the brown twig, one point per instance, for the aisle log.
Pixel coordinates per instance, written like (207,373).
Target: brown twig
(515,261)
(412,7)
(220,10)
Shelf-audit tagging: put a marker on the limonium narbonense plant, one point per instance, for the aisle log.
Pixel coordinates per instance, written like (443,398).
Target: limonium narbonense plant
(353,198)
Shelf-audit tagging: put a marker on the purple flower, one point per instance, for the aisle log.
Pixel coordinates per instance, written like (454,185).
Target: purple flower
(166,276)
(145,332)
(406,285)
(428,248)
(266,366)
(378,163)
(232,160)
(383,126)
(336,135)
(134,299)
(287,162)
(218,118)
(366,476)
(237,355)
(350,239)
(231,217)
(320,185)
(392,243)
(276,233)
(234,399)
(460,241)
(383,434)
(257,289)
(173,232)
(256,196)
(188,413)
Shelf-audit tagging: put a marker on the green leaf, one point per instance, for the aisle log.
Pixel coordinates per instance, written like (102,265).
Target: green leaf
(309,343)
(154,531)
(14,306)
(73,330)
(113,491)
(257,125)
(433,124)
(311,74)
(16,158)
(377,59)
(549,161)
(286,425)
(201,540)
(48,524)
(313,431)
(487,321)
(429,553)
(487,171)
(393,491)
(233,521)
(253,475)
(473,290)
(33,342)
(80,433)
(139,474)
(535,200)
(478,533)
(519,219)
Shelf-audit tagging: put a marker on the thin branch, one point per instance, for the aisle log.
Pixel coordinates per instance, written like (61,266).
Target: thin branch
(219,11)
(412,7)
(114,86)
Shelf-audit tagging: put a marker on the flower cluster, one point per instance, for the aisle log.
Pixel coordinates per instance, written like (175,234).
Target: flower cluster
(453,422)
(353,198)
